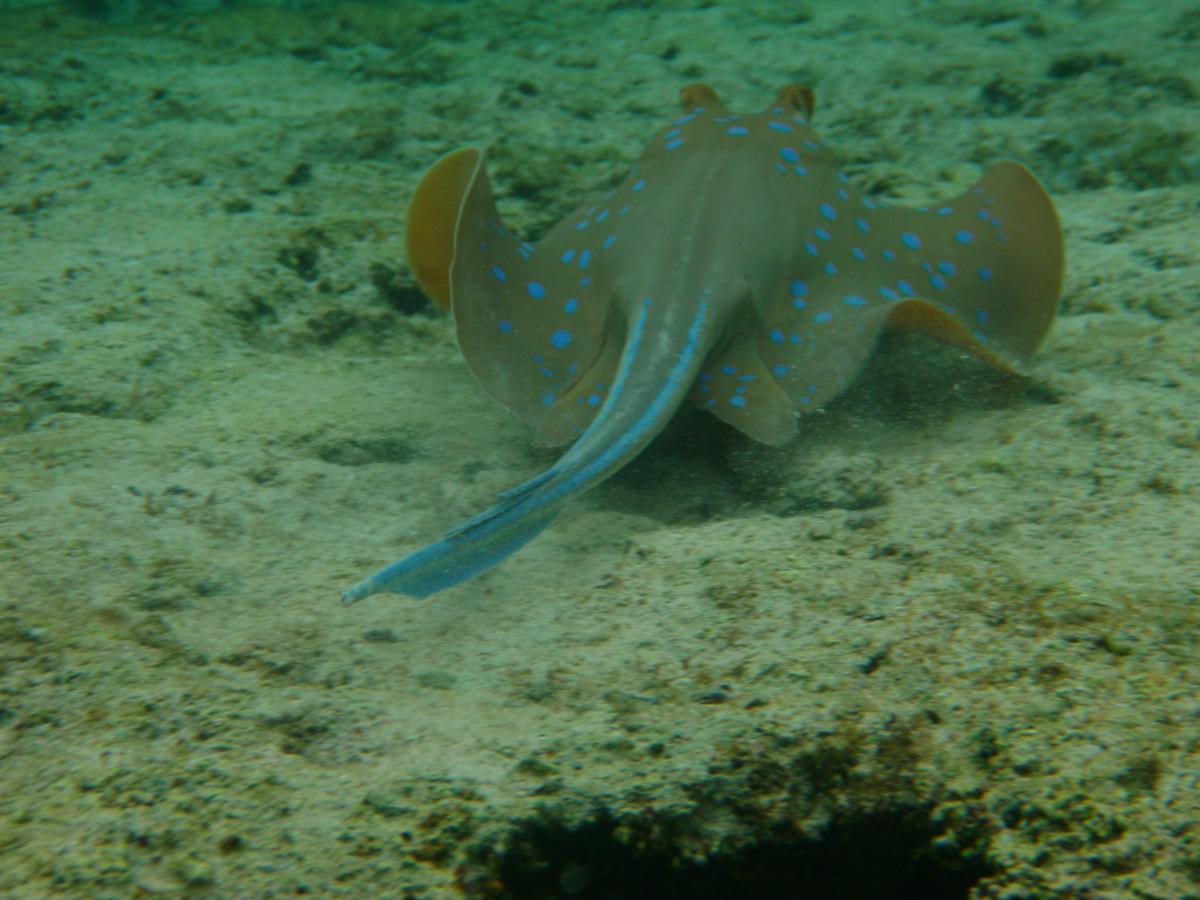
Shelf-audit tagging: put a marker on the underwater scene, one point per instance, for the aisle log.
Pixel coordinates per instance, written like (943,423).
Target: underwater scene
(605,449)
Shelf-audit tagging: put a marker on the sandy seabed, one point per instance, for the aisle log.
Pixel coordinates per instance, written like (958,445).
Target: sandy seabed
(943,644)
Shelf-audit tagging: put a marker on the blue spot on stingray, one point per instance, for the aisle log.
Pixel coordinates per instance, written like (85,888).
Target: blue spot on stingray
(854,300)
(536,290)
(799,304)
(983,214)
(683,120)
(830,268)
(823,316)
(560,338)
(584,258)
(571,305)
(624,210)
(548,398)
(779,126)
(593,400)
(985,274)
(789,155)
(585,280)
(781,167)
(938,282)
(800,170)
(728,370)
(889,255)
(737,400)
(945,211)
(505,325)
(603,215)
(862,225)
(889,293)
(737,130)
(828,211)
(905,288)
(979,336)
(780,369)
(964,236)
(748,377)
(799,288)
(499,273)
(609,241)
(811,145)
(777,336)
(822,234)
(582,225)
(806,400)
(981,316)
(674,132)
(947,268)
(672,145)
(793,338)
(568,256)
(910,240)
(858,254)
(547,373)
(638,185)
(811,248)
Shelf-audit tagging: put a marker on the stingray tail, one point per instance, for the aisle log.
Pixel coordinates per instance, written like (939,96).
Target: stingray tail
(469,549)
(652,379)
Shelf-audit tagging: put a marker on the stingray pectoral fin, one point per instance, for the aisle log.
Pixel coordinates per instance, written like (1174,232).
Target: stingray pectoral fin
(530,319)
(920,315)
(433,217)
(466,551)
(991,259)
(1027,242)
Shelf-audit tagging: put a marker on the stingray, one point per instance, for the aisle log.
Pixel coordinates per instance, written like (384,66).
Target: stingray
(736,267)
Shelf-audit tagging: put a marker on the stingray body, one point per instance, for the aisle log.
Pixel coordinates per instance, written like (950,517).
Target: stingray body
(736,266)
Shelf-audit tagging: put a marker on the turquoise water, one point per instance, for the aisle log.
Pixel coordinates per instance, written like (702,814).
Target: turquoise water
(941,643)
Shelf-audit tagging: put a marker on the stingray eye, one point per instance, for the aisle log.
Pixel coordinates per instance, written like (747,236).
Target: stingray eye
(694,95)
(798,98)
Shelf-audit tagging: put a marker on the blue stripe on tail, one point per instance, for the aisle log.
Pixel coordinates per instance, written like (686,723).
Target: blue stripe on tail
(468,551)
(524,511)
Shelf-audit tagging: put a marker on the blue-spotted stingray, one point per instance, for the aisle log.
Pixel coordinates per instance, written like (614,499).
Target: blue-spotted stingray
(737,266)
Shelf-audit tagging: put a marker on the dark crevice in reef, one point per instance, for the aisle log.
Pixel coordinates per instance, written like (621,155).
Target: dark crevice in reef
(881,854)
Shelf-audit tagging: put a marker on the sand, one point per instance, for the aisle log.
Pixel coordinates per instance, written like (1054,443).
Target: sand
(944,644)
